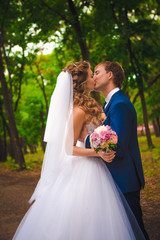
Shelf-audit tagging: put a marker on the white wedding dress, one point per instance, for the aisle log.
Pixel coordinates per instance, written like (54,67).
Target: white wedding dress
(81,202)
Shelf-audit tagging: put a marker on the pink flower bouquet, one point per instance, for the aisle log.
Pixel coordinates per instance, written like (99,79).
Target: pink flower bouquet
(103,138)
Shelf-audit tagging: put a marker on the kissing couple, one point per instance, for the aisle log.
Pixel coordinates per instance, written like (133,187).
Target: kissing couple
(83,194)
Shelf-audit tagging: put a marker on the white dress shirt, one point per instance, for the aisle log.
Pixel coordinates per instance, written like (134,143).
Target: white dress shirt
(110,94)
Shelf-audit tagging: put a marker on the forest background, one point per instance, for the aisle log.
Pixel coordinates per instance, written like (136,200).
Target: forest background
(96,30)
(38,38)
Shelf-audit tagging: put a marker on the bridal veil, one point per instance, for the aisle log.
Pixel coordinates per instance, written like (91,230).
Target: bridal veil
(58,134)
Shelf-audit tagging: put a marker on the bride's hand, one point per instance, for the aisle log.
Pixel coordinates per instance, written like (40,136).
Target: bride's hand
(107,156)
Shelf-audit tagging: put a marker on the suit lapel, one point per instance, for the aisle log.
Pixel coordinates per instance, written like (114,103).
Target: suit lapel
(112,100)
(107,107)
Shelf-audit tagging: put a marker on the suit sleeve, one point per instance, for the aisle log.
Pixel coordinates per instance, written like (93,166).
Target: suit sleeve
(121,117)
(87,142)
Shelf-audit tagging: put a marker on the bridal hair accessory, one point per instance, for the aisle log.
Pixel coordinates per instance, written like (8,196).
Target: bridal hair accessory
(74,64)
(58,134)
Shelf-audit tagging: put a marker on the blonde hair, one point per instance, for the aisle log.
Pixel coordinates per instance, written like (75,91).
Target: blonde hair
(79,72)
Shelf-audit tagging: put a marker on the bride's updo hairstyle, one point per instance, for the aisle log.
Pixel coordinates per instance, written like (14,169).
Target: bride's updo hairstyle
(79,72)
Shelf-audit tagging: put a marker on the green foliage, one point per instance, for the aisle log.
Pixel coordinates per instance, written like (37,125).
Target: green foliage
(33,161)
(32,102)
(150,158)
(106,28)
(28,116)
(10,163)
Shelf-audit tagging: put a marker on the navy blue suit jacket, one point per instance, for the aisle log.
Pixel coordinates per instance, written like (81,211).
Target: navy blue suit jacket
(126,168)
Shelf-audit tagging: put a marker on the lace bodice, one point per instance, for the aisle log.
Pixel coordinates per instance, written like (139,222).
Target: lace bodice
(91,126)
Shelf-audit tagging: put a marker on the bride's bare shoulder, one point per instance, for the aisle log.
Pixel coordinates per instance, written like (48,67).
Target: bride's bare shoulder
(78,111)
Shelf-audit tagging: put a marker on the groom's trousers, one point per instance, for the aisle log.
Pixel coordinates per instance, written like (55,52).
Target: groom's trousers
(133,199)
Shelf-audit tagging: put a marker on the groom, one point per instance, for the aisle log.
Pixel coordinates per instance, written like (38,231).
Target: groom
(126,166)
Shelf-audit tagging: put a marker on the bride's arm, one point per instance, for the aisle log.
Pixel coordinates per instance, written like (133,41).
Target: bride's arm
(78,122)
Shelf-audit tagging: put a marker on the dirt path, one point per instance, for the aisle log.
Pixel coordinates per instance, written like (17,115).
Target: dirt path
(16,189)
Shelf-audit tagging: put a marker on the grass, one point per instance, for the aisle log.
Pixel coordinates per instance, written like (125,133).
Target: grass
(33,161)
(150,158)
(151,167)
(150,161)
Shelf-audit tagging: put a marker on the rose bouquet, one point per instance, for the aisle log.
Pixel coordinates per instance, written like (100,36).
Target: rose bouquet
(103,138)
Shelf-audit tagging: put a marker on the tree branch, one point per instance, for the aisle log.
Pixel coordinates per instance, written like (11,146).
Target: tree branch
(56,12)
(20,81)
(149,85)
(154,80)
(78,30)
(7,64)
(42,86)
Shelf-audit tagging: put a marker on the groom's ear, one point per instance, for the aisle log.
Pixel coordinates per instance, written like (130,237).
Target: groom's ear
(110,75)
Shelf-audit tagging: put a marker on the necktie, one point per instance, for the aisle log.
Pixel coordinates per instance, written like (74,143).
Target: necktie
(104,105)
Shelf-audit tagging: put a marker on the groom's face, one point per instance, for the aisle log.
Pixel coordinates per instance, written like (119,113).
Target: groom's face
(101,78)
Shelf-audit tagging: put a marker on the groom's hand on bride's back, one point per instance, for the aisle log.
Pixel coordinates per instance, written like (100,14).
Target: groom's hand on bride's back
(83,134)
(107,156)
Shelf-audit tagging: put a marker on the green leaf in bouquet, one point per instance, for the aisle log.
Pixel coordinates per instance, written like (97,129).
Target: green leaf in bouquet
(97,150)
(112,146)
(104,149)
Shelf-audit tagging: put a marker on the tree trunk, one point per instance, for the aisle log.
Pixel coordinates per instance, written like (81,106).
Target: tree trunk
(10,115)
(3,141)
(42,87)
(145,118)
(25,148)
(96,96)
(3,149)
(82,42)
(137,71)
(156,128)
(135,65)
(20,81)
(158,123)
(23,145)
(32,148)
(80,36)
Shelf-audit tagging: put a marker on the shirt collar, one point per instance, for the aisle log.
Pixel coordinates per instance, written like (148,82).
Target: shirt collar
(110,94)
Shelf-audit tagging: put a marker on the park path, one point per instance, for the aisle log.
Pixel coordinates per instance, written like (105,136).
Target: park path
(16,189)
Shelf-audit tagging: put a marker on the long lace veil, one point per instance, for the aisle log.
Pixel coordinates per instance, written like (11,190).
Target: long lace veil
(58,134)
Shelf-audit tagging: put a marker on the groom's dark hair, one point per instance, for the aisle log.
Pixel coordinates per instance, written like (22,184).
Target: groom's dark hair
(117,71)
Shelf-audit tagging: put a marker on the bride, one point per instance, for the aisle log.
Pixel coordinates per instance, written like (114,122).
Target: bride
(76,197)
